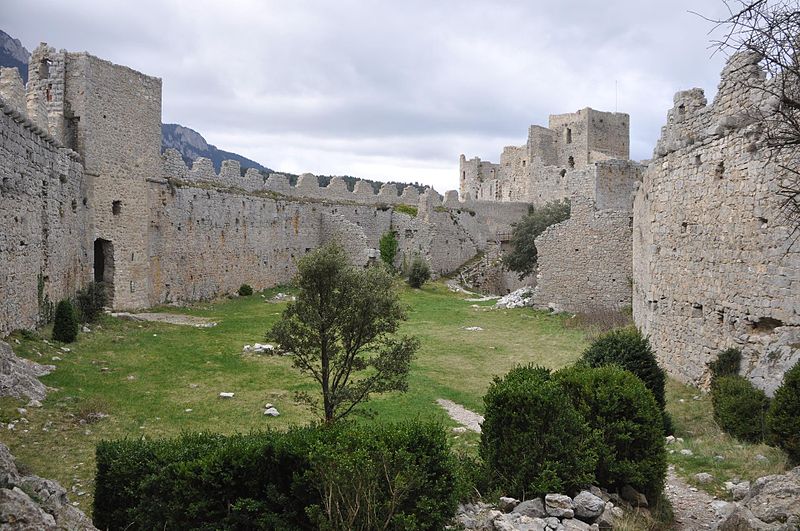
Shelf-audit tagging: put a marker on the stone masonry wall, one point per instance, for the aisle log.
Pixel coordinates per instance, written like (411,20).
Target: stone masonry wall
(713,265)
(118,115)
(44,242)
(585,262)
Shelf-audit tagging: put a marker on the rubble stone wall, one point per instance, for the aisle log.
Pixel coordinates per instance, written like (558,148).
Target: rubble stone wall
(585,262)
(712,262)
(44,242)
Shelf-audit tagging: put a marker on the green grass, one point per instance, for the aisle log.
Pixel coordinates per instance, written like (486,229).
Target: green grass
(145,375)
(694,422)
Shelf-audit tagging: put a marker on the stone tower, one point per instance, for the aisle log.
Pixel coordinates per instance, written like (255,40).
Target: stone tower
(110,115)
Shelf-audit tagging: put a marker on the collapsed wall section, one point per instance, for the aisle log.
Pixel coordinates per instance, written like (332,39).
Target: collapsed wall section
(44,243)
(713,262)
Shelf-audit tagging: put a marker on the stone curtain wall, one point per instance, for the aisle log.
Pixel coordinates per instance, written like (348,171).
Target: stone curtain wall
(585,261)
(206,241)
(44,238)
(712,263)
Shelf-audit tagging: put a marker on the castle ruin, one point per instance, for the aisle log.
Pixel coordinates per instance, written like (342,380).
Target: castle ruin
(87,195)
(694,240)
(585,262)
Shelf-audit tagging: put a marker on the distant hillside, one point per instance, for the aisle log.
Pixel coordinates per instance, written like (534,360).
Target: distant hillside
(191,145)
(14,54)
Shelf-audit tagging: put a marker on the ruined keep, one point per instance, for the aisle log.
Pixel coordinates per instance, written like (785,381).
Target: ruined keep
(713,264)
(543,169)
(87,195)
(584,263)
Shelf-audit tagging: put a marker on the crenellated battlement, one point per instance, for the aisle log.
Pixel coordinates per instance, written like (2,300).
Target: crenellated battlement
(307,186)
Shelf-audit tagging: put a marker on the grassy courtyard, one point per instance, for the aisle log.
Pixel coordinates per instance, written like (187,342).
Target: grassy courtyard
(157,380)
(145,376)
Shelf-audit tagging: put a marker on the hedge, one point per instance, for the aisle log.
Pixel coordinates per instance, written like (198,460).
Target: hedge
(275,480)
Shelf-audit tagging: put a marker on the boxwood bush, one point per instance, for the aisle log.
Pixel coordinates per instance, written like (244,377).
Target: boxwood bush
(739,408)
(65,324)
(533,439)
(245,290)
(783,418)
(629,349)
(627,423)
(727,363)
(277,480)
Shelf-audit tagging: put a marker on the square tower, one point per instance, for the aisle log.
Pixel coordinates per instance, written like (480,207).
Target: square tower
(589,136)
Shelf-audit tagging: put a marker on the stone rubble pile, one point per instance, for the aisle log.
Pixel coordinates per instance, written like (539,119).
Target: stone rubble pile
(516,299)
(259,348)
(32,503)
(592,509)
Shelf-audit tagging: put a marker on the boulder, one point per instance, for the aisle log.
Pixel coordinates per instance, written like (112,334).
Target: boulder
(587,506)
(609,516)
(507,504)
(775,498)
(573,524)
(559,506)
(634,497)
(531,508)
(703,477)
(18,511)
(19,377)
(741,519)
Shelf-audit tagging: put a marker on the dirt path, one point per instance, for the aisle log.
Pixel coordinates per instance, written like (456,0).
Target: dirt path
(465,417)
(171,318)
(693,508)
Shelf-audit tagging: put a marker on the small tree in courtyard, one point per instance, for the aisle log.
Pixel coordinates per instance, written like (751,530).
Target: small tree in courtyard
(524,255)
(341,331)
(420,272)
(65,325)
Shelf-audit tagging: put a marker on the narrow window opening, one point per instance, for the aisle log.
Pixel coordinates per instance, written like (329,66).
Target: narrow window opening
(720,171)
(698,160)
(44,69)
(116,207)
(571,162)
(568,135)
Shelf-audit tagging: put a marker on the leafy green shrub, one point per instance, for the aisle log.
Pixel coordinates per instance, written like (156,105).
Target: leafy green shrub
(384,476)
(420,272)
(739,408)
(534,440)
(65,326)
(245,290)
(524,255)
(629,349)
(783,418)
(90,300)
(727,363)
(388,248)
(275,480)
(627,424)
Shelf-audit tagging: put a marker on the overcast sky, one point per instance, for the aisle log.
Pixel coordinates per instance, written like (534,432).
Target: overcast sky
(389,89)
